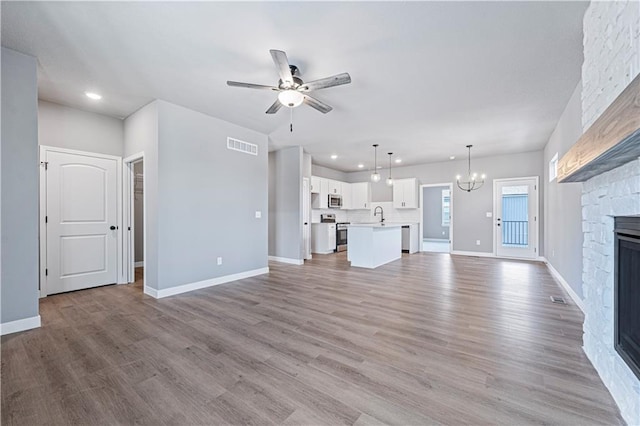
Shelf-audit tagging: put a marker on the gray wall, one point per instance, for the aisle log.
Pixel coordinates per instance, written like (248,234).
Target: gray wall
(19,183)
(207,198)
(469,209)
(70,128)
(285,203)
(328,173)
(138,210)
(141,135)
(563,212)
(432,213)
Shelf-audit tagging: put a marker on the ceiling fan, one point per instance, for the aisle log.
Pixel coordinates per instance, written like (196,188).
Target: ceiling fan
(292,90)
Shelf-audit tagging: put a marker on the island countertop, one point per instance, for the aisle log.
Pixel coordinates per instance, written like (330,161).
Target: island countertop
(374,244)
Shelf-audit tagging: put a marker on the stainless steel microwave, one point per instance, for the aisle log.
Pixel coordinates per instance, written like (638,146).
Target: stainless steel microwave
(335,201)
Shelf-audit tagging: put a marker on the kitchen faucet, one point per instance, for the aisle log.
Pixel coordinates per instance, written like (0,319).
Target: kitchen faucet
(375,213)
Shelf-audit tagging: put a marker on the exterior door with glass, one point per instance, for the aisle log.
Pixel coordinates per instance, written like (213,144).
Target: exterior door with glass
(516,217)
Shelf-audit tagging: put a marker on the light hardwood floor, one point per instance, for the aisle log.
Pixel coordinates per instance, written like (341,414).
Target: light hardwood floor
(428,339)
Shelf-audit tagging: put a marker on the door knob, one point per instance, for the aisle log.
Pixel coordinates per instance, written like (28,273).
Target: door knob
(113,228)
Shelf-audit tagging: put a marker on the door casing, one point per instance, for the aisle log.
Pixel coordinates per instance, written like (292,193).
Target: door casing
(128,246)
(432,185)
(43,211)
(536,199)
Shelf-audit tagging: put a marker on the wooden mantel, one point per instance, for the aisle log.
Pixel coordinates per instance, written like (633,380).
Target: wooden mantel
(611,141)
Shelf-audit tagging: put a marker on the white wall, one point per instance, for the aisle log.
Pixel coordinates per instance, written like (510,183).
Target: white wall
(71,128)
(19,185)
(563,211)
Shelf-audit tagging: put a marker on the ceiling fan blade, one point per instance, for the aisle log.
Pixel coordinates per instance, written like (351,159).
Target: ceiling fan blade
(314,103)
(323,83)
(275,107)
(282,63)
(251,86)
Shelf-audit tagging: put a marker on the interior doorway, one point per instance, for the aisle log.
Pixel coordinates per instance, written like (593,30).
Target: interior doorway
(135,220)
(436,224)
(80,220)
(516,217)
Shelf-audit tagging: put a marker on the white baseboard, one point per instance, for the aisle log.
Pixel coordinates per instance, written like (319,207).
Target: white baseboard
(172,291)
(472,253)
(151,292)
(19,325)
(287,260)
(138,264)
(324,252)
(576,299)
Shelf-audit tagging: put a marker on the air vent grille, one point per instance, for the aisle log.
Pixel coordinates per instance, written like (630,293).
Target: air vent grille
(242,146)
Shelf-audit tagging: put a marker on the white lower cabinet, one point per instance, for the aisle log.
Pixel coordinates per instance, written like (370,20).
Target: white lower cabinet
(323,238)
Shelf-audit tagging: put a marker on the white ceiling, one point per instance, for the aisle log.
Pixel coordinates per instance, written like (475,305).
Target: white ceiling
(428,77)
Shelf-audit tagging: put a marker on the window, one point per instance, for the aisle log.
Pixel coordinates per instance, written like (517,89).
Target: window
(553,168)
(446,207)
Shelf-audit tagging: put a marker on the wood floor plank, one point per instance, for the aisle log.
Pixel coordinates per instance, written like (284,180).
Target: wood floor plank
(428,339)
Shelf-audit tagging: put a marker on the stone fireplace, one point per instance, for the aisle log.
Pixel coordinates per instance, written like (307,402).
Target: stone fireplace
(611,67)
(611,194)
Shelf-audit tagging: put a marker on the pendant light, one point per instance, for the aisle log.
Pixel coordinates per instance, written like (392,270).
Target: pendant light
(390,179)
(472,181)
(375,176)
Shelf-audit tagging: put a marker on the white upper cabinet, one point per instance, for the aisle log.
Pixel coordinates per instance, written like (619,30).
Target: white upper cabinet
(335,187)
(345,191)
(319,193)
(360,196)
(405,193)
(315,184)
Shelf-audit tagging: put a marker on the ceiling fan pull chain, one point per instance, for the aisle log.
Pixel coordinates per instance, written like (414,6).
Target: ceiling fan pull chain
(291,121)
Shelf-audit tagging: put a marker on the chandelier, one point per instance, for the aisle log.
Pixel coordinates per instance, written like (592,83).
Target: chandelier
(472,181)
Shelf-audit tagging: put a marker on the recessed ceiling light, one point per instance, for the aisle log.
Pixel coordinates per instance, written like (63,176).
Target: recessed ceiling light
(94,96)
(398,160)
(333,157)
(453,157)
(360,165)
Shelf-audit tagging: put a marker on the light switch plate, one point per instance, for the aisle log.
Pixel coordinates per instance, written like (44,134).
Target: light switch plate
(258,214)
(489,214)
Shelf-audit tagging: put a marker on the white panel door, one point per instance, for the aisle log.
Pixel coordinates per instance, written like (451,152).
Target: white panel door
(81,209)
(516,223)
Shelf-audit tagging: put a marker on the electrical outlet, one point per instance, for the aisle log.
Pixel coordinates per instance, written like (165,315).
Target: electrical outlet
(477,242)
(219,261)
(258,214)
(442,232)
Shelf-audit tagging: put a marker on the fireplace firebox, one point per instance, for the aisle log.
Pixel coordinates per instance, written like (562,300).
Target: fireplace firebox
(627,291)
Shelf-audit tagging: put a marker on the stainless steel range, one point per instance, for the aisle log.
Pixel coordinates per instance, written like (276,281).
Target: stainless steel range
(341,236)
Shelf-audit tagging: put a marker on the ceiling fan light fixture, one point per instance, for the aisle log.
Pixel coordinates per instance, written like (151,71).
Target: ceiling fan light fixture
(290,98)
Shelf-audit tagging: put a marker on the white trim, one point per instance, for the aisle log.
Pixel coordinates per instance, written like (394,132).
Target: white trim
(150,291)
(172,291)
(127,203)
(139,264)
(287,260)
(120,276)
(574,296)
(473,253)
(19,325)
(420,228)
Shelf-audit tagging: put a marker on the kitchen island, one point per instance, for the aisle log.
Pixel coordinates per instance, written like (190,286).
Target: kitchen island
(374,244)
